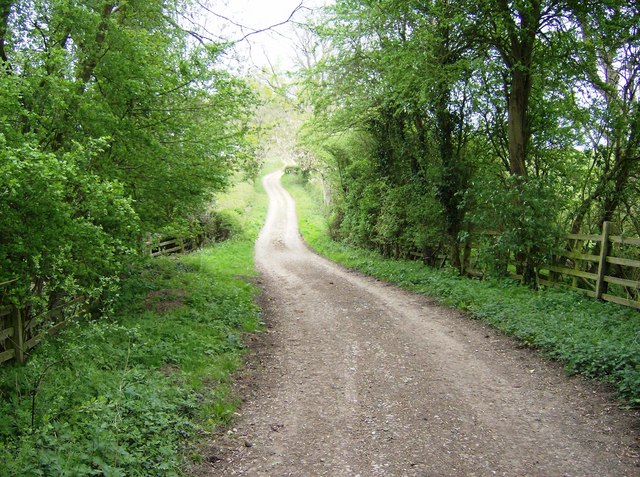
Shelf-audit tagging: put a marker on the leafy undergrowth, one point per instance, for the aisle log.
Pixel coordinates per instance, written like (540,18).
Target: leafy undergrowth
(597,340)
(131,395)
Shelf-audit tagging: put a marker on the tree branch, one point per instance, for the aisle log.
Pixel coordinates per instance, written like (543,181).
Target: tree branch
(252,31)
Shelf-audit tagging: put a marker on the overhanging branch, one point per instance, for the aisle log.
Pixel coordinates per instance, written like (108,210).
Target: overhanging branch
(252,31)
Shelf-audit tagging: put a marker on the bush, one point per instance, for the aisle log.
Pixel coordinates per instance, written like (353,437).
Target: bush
(64,230)
(519,209)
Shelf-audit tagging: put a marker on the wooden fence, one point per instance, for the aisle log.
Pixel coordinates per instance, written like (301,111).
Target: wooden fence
(591,264)
(11,335)
(20,332)
(167,247)
(604,276)
(173,245)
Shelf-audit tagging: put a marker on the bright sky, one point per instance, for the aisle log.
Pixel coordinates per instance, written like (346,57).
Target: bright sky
(276,46)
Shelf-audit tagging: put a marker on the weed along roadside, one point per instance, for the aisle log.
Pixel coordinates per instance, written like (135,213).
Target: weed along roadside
(133,392)
(596,340)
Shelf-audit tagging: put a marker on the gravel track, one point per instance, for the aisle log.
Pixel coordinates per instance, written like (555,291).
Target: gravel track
(358,378)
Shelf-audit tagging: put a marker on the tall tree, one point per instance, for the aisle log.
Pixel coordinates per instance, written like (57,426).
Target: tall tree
(489,109)
(513,29)
(407,65)
(610,66)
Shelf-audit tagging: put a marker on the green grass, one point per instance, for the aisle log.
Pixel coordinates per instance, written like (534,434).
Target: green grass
(597,340)
(132,394)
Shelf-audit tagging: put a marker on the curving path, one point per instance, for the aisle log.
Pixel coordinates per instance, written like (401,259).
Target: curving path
(358,378)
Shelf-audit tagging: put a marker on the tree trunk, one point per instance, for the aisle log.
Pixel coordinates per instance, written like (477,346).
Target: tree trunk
(522,21)
(455,260)
(5,12)
(91,61)
(518,127)
(466,257)
(451,182)
(453,179)
(518,111)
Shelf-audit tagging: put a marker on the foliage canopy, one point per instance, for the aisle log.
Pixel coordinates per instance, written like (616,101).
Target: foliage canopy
(520,118)
(114,123)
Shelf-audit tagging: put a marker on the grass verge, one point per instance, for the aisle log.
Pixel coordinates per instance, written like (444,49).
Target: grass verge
(597,340)
(131,394)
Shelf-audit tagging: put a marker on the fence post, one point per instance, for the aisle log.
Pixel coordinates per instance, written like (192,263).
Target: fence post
(18,335)
(576,265)
(601,285)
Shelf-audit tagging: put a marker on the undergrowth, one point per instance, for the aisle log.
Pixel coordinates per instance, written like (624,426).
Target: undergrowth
(129,395)
(594,339)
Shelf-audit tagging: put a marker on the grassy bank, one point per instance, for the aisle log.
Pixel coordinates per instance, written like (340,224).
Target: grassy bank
(597,340)
(132,394)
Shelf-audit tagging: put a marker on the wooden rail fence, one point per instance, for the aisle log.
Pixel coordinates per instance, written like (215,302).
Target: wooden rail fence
(167,247)
(20,332)
(590,265)
(173,245)
(603,276)
(11,335)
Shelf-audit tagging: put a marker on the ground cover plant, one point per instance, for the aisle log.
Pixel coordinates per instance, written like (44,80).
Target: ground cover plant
(597,340)
(130,394)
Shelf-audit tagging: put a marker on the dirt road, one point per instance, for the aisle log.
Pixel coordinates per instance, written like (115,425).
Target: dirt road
(358,378)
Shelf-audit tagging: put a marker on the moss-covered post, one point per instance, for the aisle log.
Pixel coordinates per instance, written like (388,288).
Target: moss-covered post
(601,285)
(18,335)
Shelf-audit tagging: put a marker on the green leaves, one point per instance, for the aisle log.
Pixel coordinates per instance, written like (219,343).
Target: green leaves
(519,209)
(456,97)
(113,125)
(60,222)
